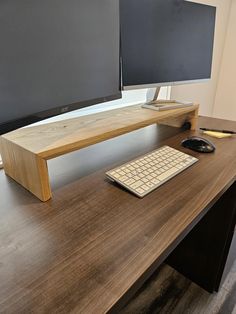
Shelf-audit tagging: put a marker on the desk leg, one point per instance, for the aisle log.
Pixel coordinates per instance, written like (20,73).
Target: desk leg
(203,255)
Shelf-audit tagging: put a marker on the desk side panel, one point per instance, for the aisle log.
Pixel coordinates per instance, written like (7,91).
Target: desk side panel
(202,255)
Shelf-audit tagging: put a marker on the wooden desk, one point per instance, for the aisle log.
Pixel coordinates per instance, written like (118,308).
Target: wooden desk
(92,246)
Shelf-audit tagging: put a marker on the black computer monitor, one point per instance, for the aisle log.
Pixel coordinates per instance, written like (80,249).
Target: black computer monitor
(56,56)
(165,42)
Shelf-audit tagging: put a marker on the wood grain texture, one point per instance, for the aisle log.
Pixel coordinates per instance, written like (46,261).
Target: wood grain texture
(58,138)
(82,251)
(178,122)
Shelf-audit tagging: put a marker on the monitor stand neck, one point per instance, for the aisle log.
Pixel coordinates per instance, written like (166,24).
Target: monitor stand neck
(156,101)
(164,104)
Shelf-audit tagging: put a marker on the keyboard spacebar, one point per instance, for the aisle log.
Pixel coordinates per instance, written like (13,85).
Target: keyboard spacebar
(167,174)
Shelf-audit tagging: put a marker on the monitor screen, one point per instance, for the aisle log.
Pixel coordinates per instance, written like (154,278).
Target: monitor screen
(165,41)
(56,56)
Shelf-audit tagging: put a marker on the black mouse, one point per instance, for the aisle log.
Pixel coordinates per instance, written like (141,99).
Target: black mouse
(199,144)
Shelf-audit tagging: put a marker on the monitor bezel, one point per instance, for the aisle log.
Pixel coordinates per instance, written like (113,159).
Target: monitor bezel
(164,84)
(12,125)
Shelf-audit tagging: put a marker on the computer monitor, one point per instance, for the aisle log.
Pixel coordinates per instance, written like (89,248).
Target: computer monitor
(165,42)
(56,56)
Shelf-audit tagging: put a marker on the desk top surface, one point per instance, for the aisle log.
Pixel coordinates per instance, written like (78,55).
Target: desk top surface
(86,248)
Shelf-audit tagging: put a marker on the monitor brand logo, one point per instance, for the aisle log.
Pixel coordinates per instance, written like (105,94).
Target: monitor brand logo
(64,109)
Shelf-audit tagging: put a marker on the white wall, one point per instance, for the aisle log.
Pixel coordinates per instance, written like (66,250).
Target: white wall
(205,93)
(225,103)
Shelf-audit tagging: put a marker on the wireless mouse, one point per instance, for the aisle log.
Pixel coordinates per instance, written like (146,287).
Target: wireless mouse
(199,144)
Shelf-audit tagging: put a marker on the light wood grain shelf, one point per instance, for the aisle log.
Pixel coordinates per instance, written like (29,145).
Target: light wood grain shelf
(25,151)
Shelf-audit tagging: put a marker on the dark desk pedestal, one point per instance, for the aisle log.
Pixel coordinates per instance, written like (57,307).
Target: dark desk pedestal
(204,255)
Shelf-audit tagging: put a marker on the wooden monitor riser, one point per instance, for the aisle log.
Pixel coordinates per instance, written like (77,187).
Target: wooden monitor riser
(25,151)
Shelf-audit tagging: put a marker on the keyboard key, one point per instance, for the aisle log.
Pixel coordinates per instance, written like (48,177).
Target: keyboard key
(116,175)
(124,178)
(136,184)
(150,184)
(145,187)
(155,181)
(167,174)
(140,190)
(130,182)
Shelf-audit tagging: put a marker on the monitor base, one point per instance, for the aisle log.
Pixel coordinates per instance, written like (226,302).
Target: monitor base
(163,105)
(162,101)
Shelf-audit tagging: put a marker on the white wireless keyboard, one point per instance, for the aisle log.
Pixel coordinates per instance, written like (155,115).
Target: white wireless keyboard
(143,175)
